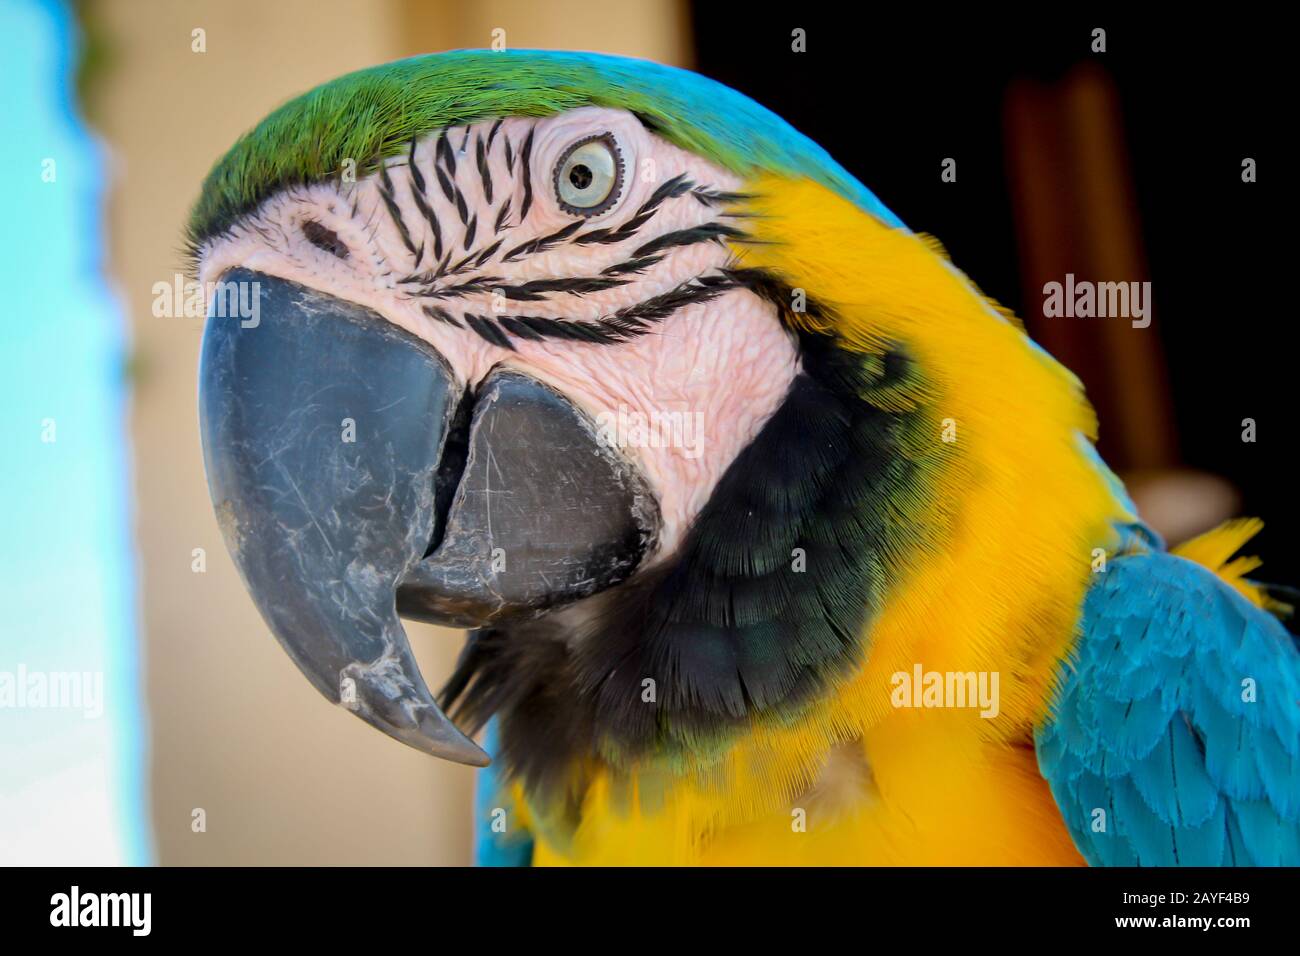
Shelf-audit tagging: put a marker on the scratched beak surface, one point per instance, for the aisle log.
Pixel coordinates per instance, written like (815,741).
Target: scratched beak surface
(353,478)
(322,428)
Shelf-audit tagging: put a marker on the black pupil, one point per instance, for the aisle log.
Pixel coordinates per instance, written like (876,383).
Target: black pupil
(580,176)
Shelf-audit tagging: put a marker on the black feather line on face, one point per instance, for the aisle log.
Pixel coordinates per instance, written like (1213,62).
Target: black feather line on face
(417,177)
(444,152)
(437,236)
(525,165)
(536,327)
(667,190)
(730,631)
(471,287)
(462,209)
(445,184)
(442,315)
(488,331)
(629,322)
(386,194)
(631,266)
(708,232)
(483,172)
(519,328)
(543,243)
(487,253)
(422,204)
(713,197)
(502,216)
(461,265)
(703,288)
(539,289)
(442,267)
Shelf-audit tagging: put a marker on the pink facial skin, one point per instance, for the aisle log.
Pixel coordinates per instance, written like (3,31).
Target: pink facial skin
(725,364)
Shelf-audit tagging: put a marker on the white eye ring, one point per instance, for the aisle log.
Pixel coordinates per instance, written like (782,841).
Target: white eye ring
(588,176)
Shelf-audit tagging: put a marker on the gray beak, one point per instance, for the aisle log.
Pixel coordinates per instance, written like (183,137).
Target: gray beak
(351,475)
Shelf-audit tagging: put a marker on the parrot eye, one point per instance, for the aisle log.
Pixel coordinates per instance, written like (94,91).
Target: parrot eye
(589,176)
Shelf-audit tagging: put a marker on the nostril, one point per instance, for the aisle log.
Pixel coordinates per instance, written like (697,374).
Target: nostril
(451,466)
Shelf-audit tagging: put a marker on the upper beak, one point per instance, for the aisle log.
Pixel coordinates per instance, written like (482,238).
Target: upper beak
(345,464)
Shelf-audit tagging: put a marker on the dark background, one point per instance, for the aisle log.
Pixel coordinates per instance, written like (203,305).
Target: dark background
(1194,99)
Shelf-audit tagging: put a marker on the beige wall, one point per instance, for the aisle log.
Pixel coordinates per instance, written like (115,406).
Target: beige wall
(654,29)
(282,776)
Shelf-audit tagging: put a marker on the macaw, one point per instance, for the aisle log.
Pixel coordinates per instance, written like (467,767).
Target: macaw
(777,541)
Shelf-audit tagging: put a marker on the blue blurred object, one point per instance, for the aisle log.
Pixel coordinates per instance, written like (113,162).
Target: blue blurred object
(72,734)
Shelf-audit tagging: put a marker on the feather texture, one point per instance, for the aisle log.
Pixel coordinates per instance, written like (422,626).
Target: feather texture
(1175,738)
(995,585)
(501,835)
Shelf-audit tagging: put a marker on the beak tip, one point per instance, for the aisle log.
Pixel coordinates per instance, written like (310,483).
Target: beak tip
(463,751)
(435,734)
(422,727)
(459,749)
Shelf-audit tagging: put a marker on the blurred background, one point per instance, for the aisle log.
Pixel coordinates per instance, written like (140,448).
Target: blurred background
(1122,164)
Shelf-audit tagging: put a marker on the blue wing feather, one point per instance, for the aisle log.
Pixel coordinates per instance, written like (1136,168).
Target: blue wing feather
(1178,719)
(513,846)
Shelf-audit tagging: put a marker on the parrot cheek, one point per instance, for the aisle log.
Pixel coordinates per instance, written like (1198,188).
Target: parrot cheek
(681,403)
(353,476)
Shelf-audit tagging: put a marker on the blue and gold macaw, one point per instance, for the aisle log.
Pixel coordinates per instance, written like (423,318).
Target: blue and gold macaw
(779,543)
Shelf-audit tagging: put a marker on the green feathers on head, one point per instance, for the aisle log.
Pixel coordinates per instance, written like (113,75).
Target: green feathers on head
(375,113)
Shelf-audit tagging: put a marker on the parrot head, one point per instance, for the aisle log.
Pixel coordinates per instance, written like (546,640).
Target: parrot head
(609,364)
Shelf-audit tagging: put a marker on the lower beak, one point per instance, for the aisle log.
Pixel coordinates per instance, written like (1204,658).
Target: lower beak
(344,466)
